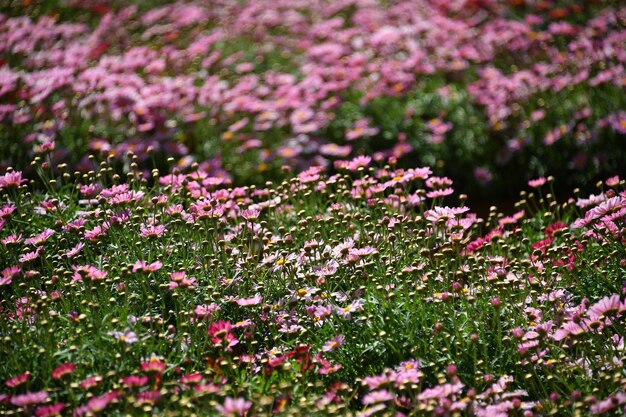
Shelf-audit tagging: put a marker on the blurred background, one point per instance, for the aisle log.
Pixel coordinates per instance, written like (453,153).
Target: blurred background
(488,93)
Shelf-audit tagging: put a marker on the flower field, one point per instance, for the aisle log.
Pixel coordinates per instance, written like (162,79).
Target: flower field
(263,208)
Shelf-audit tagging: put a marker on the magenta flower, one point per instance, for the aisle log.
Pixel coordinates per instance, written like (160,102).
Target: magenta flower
(153,364)
(90,382)
(191,379)
(135,380)
(221,336)
(148,397)
(49,410)
(63,370)
(17,380)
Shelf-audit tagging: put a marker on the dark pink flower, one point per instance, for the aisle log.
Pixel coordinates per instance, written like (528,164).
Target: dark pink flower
(154,364)
(49,410)
(63,370)
(135,380)
(17,380)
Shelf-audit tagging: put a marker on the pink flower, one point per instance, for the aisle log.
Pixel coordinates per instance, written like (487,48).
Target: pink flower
(606,306)
(378,397)
(613,181)
(359,129)
(30,398)
(11,179)
(97,231)
(221,336)
(608,404)
(30,256)
(6,210)
(70,253)
(438,182)
(206,310)
(90,382)
(234,407)
(440,193)
(438,127)
(40,238)
(568,329)
(88,272)
(152,231)
(9,274)
(358,162)
(347,311)
(538,182)
(143,266)
(482,175)
(98,404)
(129,197)
(191,379)
(333,344)
(148,397)
(128,336)
(252,301)
(444,213)
(332,149)
(49,410)
(250,214)
(135,380)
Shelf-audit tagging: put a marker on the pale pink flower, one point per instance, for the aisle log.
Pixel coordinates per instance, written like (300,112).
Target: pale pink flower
(538,182)
(234,407)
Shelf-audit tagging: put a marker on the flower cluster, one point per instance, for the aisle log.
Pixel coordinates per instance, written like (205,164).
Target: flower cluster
(372,291)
